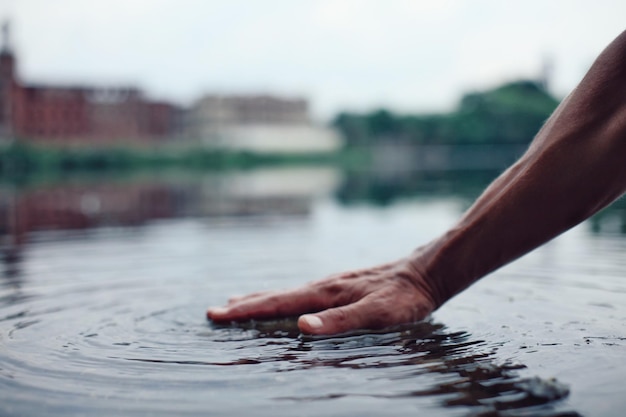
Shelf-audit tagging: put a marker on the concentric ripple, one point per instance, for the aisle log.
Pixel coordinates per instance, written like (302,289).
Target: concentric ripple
(111,322)
(103,346)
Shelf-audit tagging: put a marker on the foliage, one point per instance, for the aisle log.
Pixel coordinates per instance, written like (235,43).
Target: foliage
(23,159)
(512,113)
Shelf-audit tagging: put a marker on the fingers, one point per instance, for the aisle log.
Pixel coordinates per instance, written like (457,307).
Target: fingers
(273,304)
(312,297)
(372,298)
(367,313)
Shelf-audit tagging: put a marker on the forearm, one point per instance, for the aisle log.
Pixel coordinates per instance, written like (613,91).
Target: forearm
(575,166)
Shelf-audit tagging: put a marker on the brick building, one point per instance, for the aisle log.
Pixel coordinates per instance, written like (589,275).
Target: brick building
(79,114)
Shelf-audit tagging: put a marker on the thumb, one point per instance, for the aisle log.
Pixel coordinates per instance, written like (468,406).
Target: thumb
(336,320)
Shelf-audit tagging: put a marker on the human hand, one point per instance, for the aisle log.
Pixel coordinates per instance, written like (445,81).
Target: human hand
(373,298)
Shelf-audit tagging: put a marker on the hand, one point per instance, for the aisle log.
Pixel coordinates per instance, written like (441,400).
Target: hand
(373,298)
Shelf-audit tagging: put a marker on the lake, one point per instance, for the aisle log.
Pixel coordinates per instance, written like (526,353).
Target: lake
(105,284)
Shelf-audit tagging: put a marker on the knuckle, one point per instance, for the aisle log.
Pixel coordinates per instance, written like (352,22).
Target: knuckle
(336,292)
(333,290)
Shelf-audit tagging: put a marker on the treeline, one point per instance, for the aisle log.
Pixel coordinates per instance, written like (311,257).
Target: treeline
(19,159)
(509,114)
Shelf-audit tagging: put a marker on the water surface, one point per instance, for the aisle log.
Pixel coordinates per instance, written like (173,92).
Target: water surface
(105,285)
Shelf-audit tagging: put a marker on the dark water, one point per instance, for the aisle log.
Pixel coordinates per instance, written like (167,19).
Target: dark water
(105,285)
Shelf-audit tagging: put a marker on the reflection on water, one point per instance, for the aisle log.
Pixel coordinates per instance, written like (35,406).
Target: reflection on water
(468,375)
(105,284)
(83,206)
(385,187)
(611,219)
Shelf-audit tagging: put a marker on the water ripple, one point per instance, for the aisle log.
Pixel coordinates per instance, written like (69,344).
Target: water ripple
(112,323)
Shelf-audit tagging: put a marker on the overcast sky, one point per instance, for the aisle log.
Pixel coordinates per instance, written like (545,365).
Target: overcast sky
(409,55)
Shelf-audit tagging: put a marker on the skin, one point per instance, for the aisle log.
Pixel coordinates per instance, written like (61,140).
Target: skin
(575,166)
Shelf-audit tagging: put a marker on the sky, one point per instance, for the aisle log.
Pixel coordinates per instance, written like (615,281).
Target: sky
(343,55)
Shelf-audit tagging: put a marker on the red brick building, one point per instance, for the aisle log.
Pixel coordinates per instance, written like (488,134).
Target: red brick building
(79,114)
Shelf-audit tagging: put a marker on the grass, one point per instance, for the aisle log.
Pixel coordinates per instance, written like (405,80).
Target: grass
(21,159)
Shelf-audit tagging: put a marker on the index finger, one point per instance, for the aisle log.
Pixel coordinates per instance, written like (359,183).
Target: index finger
(272,305)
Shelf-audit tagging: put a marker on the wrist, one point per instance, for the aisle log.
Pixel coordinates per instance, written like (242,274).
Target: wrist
(426,285)
(437,278)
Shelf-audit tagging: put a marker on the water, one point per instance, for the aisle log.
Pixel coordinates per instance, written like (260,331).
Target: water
(106,282)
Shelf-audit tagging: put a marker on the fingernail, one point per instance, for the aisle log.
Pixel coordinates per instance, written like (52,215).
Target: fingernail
(313,321)
(217,310)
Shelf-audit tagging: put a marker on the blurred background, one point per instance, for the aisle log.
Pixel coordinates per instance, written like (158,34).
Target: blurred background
(113,112)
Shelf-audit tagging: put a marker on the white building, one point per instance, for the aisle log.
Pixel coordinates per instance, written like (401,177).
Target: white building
(264,124)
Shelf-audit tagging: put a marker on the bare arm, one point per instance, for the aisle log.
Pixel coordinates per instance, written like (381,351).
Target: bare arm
(575,166)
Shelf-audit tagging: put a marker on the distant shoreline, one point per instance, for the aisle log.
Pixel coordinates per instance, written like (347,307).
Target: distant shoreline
(23,159)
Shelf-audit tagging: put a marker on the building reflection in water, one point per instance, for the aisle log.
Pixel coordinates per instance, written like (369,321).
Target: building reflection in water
(70,207)
(265,192)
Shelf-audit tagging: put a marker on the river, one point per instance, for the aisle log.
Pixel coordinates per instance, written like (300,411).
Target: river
(105,284)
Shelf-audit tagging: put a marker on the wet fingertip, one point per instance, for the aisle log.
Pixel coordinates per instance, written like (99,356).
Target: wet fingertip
(216,311)
(310,322)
